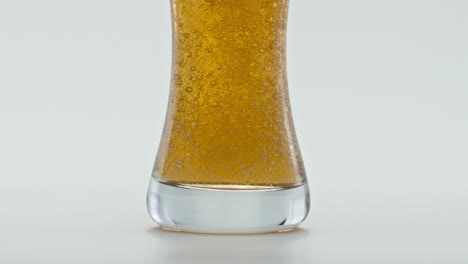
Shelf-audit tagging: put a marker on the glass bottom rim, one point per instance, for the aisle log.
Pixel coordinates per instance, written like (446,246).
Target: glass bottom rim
(220,211)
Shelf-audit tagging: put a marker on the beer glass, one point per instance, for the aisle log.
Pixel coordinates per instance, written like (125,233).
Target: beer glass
(228,161)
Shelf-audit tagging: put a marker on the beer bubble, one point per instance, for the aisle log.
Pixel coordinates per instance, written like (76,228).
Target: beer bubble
(179,164)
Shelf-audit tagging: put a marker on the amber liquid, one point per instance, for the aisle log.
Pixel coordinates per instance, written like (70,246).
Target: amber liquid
(229,121)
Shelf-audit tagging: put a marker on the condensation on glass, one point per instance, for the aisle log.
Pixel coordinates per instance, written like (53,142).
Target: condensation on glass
(229,160)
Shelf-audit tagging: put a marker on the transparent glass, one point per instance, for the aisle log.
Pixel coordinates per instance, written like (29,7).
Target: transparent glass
(229,160)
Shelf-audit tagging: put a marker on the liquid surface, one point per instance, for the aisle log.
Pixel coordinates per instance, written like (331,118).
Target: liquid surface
(229,118)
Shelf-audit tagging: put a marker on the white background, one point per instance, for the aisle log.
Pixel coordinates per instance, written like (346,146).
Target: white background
(379,91)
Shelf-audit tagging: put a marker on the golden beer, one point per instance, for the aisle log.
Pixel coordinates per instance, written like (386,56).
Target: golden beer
(229,120)
(229,124)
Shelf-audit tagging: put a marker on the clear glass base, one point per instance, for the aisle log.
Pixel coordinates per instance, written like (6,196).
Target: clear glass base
(193,208)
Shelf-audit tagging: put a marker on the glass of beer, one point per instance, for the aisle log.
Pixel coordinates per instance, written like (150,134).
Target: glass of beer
(229,161)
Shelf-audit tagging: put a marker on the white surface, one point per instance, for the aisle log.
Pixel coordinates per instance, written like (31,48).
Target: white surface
(379,93)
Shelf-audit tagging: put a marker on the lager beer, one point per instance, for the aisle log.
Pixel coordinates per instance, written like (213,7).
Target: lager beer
(229,133)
